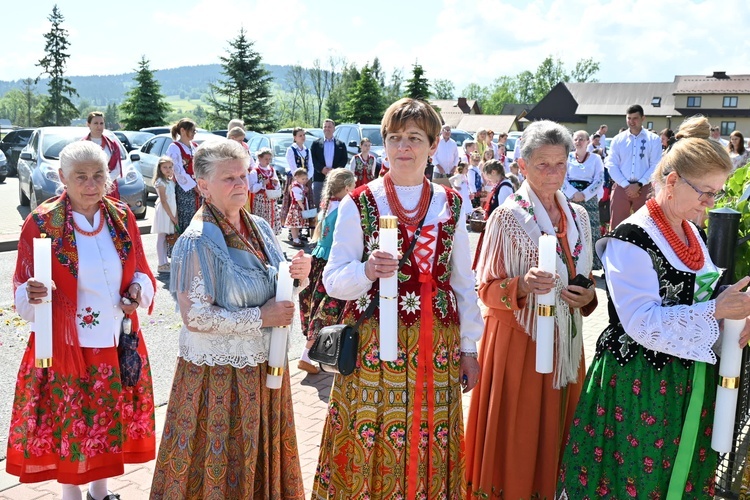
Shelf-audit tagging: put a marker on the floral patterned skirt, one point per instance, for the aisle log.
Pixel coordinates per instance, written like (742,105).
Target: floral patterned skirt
(366,444)
(226,436)
(627,429)
(75,430)
(265,208)
(316,308)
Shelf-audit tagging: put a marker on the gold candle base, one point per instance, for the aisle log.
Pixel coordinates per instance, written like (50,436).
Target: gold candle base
(43,363)
(730,382)
(545,310)
(276,371)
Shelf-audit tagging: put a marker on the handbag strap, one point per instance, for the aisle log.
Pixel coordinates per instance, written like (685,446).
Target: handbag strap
(375,299)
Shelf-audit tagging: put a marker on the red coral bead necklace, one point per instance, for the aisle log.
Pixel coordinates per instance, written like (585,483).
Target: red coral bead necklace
(691,254)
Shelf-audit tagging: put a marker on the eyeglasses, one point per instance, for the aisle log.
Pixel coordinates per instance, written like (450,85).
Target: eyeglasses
(705,196)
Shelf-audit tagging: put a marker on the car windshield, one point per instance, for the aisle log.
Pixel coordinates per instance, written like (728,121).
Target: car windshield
(510,144)
(54,142)
(281,144)
(460,137)
(138,138)
(374,135)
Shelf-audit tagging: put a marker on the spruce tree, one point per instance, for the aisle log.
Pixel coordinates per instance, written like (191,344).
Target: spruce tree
(365,103)
(58,109)
(145,105)
(417,86)
(245,92)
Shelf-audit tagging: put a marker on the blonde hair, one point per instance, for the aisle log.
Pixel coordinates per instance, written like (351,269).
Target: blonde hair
(693,155)
(236,132)
(336,181)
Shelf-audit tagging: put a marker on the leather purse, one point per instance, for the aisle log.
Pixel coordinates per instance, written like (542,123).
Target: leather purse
(336,347)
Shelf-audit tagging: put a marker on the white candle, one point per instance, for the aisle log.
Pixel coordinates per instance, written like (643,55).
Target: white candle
(389,292)
(43,312)
(545,314)
(278,349)
(722,438)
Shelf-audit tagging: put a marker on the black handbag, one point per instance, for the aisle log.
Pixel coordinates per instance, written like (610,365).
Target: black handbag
(127,354)
(336,347)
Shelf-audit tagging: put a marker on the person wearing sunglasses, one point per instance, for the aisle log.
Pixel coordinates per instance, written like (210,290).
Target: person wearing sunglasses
(642,427)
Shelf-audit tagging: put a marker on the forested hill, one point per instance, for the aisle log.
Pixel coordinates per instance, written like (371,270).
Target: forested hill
(186,81)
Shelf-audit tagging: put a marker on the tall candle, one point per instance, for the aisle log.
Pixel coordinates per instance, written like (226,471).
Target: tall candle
(389,292)
(545,313)
(43,311)
(730,366)
(279,335)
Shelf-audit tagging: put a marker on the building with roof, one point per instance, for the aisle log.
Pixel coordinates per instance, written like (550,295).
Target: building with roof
(453,111)
(723,99)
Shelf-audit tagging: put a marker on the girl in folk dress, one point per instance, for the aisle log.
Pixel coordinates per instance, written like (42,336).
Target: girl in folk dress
(165,216)
(182,151)
(316,308)
(460,183)
(298,193)
(363,164)
(297,156)
(261,180)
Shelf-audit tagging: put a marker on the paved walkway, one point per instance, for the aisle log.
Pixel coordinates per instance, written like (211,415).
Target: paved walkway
(310,395)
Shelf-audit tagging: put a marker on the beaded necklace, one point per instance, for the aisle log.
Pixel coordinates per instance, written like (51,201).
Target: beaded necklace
(408,217)
(691,254)
(95,231)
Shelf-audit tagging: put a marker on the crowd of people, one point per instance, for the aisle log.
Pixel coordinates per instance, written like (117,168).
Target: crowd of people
(635,424)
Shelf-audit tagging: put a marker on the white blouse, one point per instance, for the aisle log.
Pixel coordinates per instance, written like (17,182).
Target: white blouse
(257,183)
(685,331)
(292,163)
(99,316)
(185,181)
(591,170)
(344,275)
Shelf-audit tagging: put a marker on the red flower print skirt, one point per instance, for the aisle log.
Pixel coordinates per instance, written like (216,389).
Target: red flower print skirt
(77,430)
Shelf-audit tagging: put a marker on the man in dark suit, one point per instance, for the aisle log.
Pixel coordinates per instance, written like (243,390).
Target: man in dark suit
(327,153)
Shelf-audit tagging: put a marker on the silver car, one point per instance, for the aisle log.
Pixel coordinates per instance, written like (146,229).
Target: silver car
(39,163)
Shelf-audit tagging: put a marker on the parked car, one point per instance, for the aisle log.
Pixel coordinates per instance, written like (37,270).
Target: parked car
(315,132)
(152,149)
(12,144)
(278,143)
(40,160)
(166,130)
(460,136)
(3,167)
(223,133)
(132,139)
(351,134)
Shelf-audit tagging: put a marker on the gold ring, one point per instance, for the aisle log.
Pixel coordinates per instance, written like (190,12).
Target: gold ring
(276,371)
(730,382)
(43,363)
(545,310)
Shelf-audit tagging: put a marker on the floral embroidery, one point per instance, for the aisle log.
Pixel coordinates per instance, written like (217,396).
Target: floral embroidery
(362,302)
(410,302)
(89,318)
(367,435)
(397,435)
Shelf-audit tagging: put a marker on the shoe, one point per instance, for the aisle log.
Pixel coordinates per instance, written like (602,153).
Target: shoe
(297,244)
(308,367)
(164,268)
(110,496)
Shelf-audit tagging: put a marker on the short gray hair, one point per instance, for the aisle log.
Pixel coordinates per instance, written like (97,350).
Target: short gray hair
(78,152)
(545,133)
(216,151)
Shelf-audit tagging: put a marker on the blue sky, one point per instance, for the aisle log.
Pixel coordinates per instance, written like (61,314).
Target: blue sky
(464,41)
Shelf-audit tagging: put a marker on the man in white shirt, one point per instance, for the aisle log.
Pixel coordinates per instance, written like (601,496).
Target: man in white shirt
(716,136)
(446,155)
(633,156)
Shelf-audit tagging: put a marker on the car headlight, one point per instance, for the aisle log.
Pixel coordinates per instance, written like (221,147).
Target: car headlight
(2,155)
(131,177)
(51,175)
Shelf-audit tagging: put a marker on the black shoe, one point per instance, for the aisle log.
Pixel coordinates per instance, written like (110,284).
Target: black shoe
(110,496)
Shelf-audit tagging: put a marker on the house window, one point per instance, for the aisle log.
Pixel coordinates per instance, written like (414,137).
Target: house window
(656,102)
(650,125)
(694,101)
(730,101)
(728,127)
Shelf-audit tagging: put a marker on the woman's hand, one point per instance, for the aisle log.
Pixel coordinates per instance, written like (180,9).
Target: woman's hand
(174,220)
(577,296)
(745,335)
(132,299)
(469,372)
(380,265)
(37,292)
(578,197)
(733,303)
(301,264)
(274,313)
(535,281)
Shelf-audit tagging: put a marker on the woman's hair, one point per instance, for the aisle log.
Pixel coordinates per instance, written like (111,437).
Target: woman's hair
(461,167)
(407,109)
(84,152)
(669,134)
(300,172)
(577,132)
(741,147)
(235,122)
(236,132)
(159,175)
(494,166)
(297,130)
(489,151)
(183,124)
(337,180)
(92,115)
(693,154)
(212,152)
(264,151)
(545,133)
(364,140)
(481,132)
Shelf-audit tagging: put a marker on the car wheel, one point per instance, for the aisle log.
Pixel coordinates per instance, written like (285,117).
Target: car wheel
(33,202)
(23,200)
(2,178)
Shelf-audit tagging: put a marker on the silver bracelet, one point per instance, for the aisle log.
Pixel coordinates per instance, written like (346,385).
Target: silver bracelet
(470,354)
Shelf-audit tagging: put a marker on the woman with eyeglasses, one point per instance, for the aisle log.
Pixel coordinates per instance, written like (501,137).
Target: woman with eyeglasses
(642,428)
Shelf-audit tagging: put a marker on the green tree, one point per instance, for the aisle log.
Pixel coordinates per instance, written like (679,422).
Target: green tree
(392,92)
(31,99)
(502,91)
(444,89)
(340,91)
(417,87)
(245,92)
(319,80)
(58,109)
(365,102)
(112,116)
(13,106)
(144,105)
(478,93)
(584,71)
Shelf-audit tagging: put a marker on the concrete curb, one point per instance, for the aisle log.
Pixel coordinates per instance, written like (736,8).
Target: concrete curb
(12,245)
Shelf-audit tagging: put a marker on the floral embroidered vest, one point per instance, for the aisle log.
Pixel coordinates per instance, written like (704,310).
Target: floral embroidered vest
(362,170)
(443,300)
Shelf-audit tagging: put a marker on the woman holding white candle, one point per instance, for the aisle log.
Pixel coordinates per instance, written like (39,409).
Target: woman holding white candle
(74,422)
(221,415)
(519,417)
(381,412)
(643,428)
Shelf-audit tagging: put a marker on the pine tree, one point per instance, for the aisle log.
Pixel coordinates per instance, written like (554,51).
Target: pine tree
(246,91)
(417,86)
(365,102)
(145,105)
(112,116)
(58,109)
